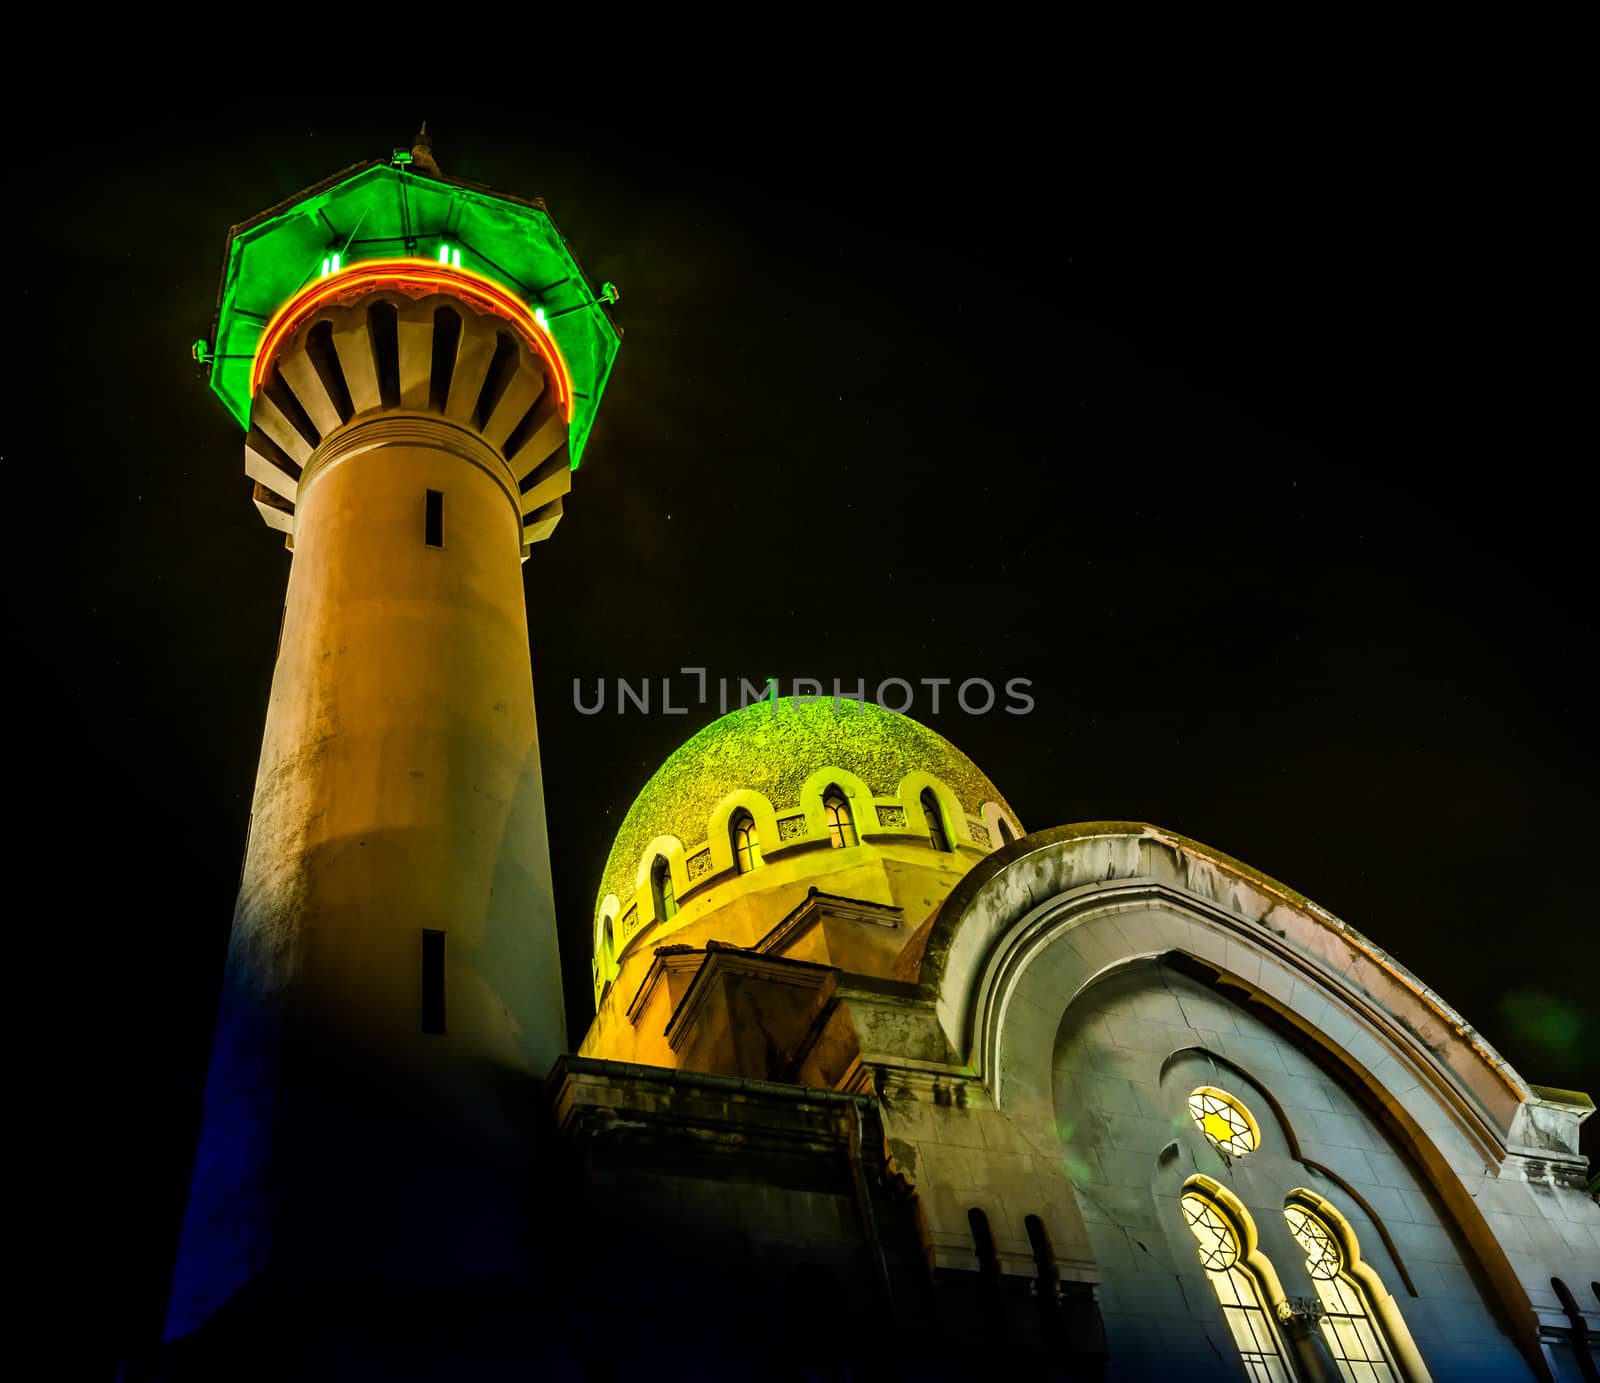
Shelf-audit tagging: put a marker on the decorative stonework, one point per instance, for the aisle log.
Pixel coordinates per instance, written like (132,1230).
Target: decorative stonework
(699,864)
(980,833)
(791,827)
(1307,1310)
(891,816)
(630,920)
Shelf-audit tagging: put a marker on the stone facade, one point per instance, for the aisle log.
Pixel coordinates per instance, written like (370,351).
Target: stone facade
(1026,1056)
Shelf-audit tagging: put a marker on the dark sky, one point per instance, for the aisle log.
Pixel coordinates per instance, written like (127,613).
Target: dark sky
(1247,428)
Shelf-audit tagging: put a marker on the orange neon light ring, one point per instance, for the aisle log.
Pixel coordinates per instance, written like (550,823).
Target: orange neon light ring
(411,276)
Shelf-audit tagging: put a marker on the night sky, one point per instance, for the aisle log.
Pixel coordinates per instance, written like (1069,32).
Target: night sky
(1247,429)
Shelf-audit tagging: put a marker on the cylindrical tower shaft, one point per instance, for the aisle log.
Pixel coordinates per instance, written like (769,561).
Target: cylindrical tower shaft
(399,789)
(393,990)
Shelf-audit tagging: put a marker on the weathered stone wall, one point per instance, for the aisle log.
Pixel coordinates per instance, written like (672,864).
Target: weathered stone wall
(1128,1055)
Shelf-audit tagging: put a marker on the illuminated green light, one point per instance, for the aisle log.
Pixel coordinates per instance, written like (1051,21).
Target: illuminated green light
(510,240)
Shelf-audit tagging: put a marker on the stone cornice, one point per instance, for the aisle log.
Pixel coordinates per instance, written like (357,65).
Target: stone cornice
(818,905)
(413,429)
(723,959)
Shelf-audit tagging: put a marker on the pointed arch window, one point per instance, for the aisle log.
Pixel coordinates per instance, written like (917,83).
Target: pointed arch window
(936,831)
(661,889)
(841,828)
(1007,835)
(1351,1326)
(746,843)
(1239,1290)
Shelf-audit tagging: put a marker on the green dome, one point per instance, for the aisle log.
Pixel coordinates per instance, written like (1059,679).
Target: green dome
(772,748)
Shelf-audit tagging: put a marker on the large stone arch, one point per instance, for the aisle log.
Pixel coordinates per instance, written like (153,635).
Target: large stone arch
(1037,924)
(1000,917)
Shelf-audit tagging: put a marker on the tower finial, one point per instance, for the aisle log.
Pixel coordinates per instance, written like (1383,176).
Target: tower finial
(422,153)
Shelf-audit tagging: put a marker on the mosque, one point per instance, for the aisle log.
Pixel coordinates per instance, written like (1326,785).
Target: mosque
(882,1082)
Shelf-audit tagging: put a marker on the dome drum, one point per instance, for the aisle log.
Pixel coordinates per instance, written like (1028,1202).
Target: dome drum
(710,864)
(822,791)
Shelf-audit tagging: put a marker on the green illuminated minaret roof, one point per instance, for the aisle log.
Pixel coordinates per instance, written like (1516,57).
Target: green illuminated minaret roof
(386,210)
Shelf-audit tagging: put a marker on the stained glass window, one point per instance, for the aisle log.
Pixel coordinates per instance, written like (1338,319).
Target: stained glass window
(1238,1292)
(1225,1121)
(1353,1336)
(1219,1246)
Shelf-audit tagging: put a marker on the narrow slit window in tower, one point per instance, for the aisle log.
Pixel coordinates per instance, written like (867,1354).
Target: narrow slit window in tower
(433,523)
(433,982)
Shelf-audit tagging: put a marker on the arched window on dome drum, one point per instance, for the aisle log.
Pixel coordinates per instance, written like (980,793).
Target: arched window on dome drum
(608,951)
(1350,1326)
(746,843)
(1238,1290)
(936,831)
(841,829)
(1006,834)
(661,887)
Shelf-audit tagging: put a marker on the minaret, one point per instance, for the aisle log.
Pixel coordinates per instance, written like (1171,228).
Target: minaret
(417,363)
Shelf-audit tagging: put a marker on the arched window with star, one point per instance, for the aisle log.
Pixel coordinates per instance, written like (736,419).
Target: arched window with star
(1231,1127)
(1361,1324)
(1246,1288)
